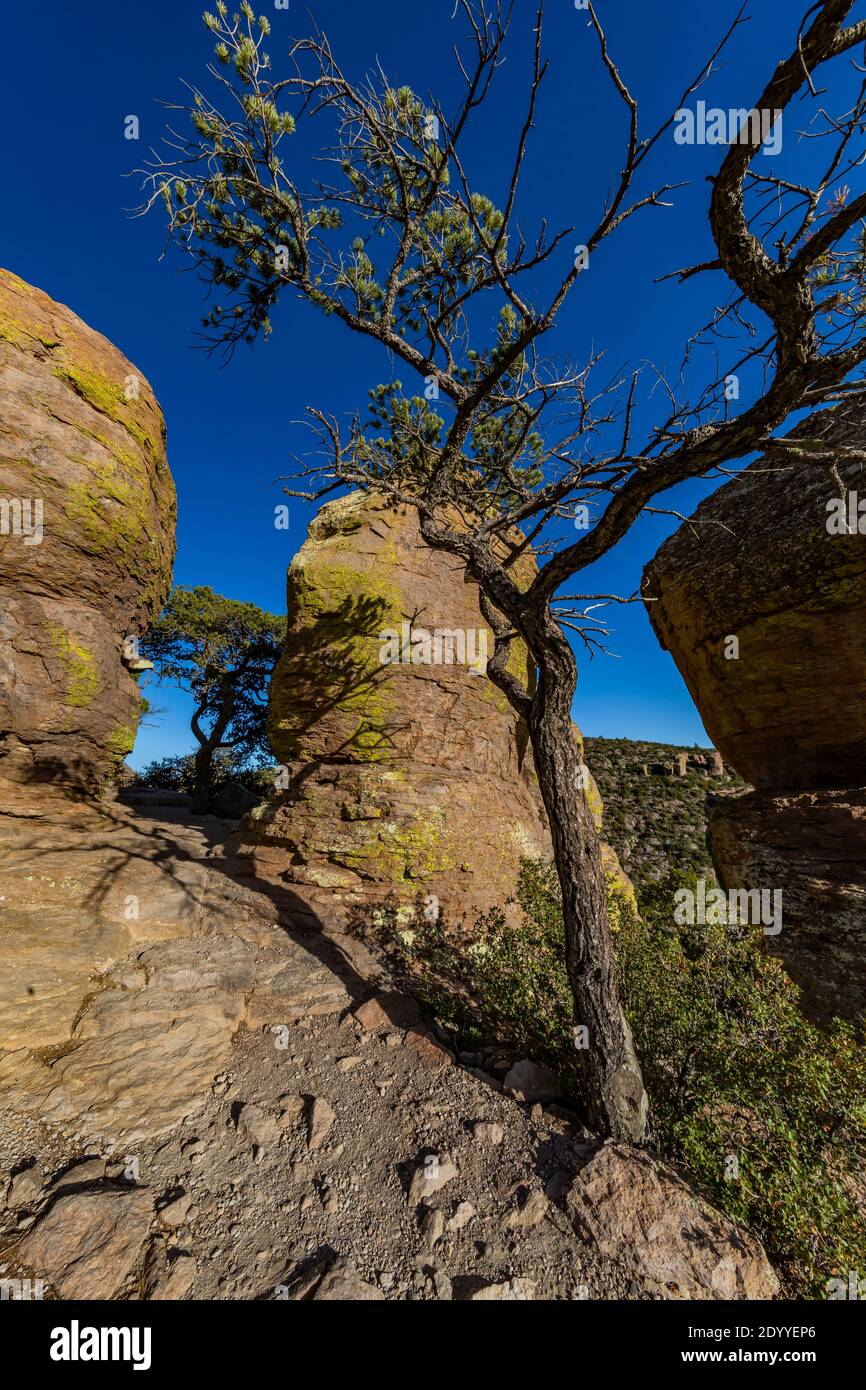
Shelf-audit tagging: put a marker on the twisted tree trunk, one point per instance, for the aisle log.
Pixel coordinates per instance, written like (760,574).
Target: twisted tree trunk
(612,1084)
(209,744)
(203,774)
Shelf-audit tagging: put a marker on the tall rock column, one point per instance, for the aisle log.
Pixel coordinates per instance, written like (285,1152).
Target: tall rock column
(761,601)
(409,776)
(87,517)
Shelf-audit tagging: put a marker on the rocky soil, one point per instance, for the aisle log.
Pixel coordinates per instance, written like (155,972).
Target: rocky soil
(230,1106)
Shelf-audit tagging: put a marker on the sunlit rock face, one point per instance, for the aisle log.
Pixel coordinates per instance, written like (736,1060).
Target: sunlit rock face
(87,519)
(762,604)
(410,777)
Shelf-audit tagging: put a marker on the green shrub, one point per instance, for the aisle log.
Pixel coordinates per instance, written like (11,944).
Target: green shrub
(172,774)
(740,1080)
(177,773)
(762,1110)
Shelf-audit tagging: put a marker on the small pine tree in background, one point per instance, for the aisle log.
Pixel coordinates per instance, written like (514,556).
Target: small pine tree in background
(221,651)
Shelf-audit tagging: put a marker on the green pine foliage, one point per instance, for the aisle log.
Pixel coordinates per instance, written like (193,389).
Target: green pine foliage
(222,651)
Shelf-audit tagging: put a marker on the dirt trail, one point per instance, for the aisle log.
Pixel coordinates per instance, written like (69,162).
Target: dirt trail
(204,1094)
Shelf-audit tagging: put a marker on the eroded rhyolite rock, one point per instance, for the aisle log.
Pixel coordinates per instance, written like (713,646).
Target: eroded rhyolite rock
(757,562)
(343,1284)
(633,1208)
(410,779)
(161,1141)
(91,1244)
(83,469)
(762,603)
(812,844)
(130,966)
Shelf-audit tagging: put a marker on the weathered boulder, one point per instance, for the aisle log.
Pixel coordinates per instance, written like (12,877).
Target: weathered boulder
(91,1245)
(756,562)
(343,1284)
(813,845)
(410,778)
(630,1207)
(761,601)
(532,1081)
(130,965)
(232,800)
(87,513)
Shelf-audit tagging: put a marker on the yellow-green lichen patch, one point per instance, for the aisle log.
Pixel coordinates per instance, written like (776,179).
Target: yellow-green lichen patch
(104,526)
(121,740)
(125,457)
(35,325)
(104,395)
(330,679)
(327,878)
(110,399)
(369,742)
(12,331)
(619,885)
(339,518)
(112,516)
(593,797)
(524,840)
(357,810)
(82,677)
(419,848)
(11,278)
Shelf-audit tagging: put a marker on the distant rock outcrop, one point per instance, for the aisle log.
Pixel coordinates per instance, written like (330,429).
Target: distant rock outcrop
(657,822)
(410,777)
(763,608)
(87,514)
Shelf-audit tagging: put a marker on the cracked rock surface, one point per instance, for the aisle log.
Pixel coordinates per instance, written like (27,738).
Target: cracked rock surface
(216,1097)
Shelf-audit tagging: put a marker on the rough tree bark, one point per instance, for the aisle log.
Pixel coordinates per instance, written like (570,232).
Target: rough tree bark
(208,745)
(202,785)
(612,1088)
(612,1085)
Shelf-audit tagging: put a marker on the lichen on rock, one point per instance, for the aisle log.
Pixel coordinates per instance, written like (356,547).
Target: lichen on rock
(410,780)
(82,433)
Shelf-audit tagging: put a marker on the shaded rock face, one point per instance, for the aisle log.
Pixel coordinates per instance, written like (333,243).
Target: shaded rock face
(757,563)
(130,964)
(411,778)
(87,515)
(763,608)
(813,844)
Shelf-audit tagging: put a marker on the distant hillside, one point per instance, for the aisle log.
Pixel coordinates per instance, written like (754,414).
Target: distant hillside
(655,818)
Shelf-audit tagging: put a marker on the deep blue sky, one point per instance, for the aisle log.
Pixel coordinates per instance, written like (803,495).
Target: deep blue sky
(73,72)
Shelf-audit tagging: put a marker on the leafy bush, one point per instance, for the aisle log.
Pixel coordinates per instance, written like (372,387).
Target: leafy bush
(173,774)
(765,1112)
(736,1073)
(177,774)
